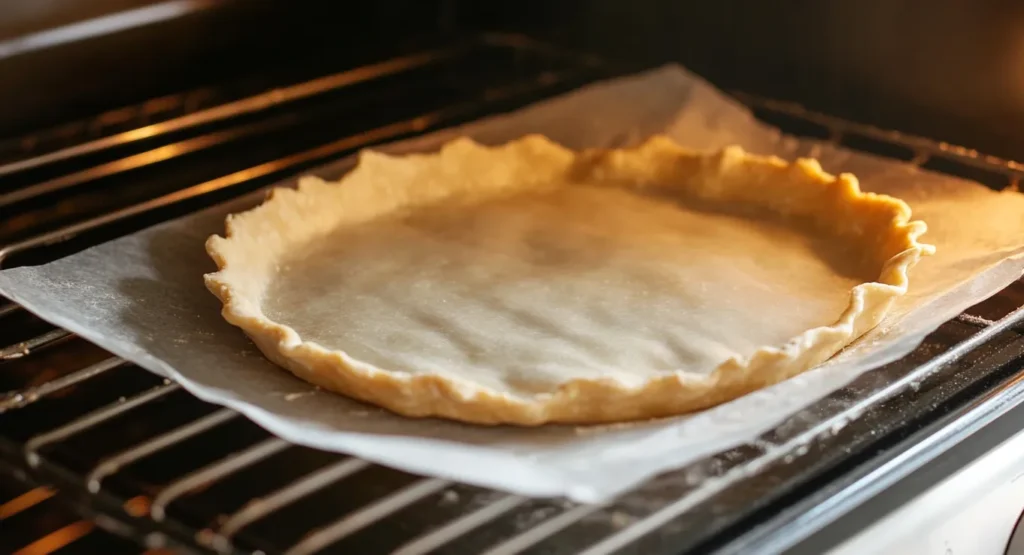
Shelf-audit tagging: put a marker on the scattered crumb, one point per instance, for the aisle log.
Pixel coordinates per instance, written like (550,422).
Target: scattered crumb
(155,540)
(533,517)
(620,519)
(449,497)
(205,536)
(602,428)
(300,394)
(593,429)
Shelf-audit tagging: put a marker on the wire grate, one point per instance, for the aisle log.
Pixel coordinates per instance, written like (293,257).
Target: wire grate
(166,469)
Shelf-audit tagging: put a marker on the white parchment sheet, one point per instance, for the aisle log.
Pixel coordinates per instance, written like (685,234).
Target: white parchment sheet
(142,297)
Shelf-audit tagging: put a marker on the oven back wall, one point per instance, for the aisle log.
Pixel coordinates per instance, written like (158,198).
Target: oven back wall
(950,69)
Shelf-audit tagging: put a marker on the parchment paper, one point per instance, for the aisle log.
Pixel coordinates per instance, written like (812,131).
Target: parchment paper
(142,297)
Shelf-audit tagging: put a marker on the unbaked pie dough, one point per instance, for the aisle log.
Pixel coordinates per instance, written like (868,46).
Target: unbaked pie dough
(528,283)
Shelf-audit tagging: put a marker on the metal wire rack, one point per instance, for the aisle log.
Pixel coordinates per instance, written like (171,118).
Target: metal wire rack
(139,458)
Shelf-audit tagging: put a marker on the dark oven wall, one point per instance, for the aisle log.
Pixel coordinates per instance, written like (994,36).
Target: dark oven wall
(949,69)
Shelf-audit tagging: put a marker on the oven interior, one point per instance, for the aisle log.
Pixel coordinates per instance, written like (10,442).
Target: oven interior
(127,113)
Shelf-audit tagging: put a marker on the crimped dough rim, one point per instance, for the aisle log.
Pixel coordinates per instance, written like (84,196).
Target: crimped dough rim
(254,240)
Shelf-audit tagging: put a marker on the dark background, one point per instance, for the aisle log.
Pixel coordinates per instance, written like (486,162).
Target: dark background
(949,69)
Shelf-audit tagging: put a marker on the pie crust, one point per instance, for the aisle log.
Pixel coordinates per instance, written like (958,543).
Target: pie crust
(261,243)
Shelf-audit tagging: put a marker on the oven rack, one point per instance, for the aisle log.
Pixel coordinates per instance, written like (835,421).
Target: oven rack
(143,459)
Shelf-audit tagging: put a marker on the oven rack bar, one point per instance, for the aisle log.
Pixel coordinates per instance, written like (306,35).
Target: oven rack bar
(173,114)
(922,148)
(23,348)
(263,506)
(220,540)
(103,414)
(270,168)
(430,541)
(94,479)
(379,509)
(249,105)
(30,395)
(288,164)
(213,472)
(548,528)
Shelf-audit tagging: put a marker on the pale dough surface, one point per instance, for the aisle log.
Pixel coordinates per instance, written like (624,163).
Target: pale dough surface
(527,283)
(523,293)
